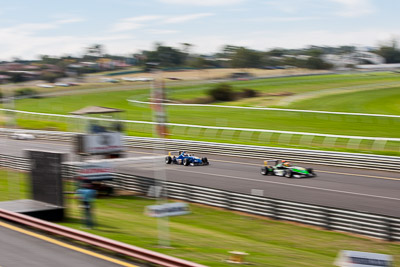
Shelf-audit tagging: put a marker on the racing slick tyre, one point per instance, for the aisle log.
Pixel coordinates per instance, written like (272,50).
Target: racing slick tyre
(264,171)
(168,160)
(205,161)
(288,174)
(186,162)
(311,171)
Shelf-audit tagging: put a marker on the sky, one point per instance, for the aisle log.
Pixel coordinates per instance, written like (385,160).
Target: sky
(30,28)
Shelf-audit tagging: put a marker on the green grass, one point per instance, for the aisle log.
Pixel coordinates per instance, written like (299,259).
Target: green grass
(296,85)
(206,235)
(13,185)
(383,101)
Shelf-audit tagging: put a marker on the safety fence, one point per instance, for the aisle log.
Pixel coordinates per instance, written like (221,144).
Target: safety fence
(341,159)
(13,162)
(373,225)
(241,135)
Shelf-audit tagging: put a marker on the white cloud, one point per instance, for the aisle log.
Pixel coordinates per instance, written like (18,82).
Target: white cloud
(179,19)
(29,28)
(69,20)
(154,31)
(32,28)
(354,8)
(282,19)
(284,6)
(144,18)
(23,40)
(133,23)
(203,2)
(30,46)
(128,24)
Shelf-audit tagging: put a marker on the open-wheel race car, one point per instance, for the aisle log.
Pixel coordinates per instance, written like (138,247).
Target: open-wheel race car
(286,169)
(185,159)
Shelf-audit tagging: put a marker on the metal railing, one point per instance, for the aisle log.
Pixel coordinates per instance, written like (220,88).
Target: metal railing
(13,162)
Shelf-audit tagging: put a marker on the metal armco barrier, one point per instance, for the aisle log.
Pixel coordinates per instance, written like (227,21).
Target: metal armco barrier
(367,224)
(12,162)
(101,242)
(342,159)
(373,225)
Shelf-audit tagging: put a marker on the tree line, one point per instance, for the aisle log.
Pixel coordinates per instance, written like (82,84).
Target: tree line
(229,56)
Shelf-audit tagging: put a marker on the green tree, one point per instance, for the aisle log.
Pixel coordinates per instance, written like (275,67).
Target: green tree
(246,58)
(276,52)
(96,50)
(165,55)
(316,63)
(390,52)
(198,62)
(50,77)
(45,59)
(16,77)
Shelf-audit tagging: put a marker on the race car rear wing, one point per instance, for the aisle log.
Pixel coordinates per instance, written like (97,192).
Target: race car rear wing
(271,162)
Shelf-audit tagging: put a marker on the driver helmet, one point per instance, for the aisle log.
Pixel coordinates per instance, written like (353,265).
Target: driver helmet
(285,163)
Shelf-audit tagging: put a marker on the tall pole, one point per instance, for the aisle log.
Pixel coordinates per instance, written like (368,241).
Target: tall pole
(159,129)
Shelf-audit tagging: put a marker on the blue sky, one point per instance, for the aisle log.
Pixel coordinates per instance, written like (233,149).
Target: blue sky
(32,28)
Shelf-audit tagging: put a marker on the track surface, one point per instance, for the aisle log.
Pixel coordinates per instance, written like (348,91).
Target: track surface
(21,249)
(345,188)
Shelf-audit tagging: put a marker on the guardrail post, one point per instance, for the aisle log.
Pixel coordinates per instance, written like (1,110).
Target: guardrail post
(274,209)
(188,194)
(327,219)
(228,200)
(146,183)
(388,228)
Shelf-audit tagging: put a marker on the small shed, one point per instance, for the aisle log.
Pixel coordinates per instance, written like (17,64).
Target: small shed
(95,110)
(99,124)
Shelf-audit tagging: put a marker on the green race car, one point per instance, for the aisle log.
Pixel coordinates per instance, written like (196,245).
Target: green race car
(286,169)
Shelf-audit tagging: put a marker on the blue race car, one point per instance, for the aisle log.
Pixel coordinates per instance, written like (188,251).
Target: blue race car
(185,159)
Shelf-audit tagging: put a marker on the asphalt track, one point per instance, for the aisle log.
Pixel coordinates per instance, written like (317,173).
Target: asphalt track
(20,247)
(346,188)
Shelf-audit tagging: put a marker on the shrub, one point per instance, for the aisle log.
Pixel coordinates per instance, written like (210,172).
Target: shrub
(29,92)
(247,92)
(222,92)
(50,77)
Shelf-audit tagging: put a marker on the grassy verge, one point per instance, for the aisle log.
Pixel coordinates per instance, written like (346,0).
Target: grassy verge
(207,234)
(13,185)
(383,101)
